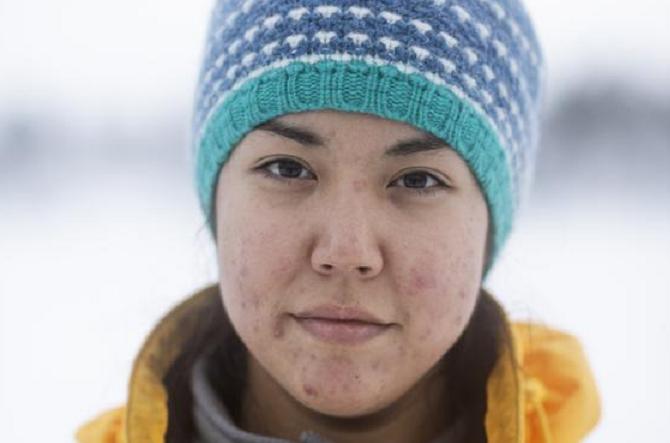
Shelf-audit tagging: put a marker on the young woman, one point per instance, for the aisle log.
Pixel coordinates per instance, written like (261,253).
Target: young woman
(359,165)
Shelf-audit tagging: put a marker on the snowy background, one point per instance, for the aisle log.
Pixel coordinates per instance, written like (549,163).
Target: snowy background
(100,231)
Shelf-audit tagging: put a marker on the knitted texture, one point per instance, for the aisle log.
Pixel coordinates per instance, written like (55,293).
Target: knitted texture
(467,71)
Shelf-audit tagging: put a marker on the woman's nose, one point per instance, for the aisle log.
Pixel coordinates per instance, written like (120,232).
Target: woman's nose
(347,241)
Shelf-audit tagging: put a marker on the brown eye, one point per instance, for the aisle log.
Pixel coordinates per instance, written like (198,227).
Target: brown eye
(417,181)
(284,169)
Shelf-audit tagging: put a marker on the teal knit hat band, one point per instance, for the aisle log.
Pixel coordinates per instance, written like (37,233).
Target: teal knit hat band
(358,86)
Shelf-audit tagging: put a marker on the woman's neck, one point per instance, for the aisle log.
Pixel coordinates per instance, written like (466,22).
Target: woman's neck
(419,416)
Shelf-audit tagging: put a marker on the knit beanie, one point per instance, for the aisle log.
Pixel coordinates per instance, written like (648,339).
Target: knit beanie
(467,71)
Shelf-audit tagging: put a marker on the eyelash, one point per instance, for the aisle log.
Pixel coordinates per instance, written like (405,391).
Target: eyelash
(287,180)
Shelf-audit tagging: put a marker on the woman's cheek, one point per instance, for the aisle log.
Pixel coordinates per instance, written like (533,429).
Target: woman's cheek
(238,275)
(265,267)
(439,298)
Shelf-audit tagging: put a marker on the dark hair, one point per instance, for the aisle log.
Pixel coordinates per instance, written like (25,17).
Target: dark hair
(468,365)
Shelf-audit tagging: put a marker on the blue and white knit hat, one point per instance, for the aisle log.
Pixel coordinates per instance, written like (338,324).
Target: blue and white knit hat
(467,71)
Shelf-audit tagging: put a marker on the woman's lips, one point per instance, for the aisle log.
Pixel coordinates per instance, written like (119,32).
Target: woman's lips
(341,331)
(341,325)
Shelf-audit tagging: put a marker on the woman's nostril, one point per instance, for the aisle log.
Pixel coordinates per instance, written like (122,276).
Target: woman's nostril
(361,269)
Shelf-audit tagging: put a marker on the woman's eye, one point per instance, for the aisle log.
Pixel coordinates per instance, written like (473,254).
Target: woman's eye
(415,181)
(284,170)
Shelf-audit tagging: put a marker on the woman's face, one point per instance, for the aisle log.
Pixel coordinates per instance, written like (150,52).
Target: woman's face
(350,255)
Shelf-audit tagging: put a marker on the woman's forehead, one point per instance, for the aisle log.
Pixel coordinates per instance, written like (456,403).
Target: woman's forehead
(322,130)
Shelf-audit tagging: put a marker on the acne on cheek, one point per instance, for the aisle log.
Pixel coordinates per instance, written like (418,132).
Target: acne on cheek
(421,281)
(424,284)
(293,359)
(295,355)
(424,281)
(310,390)
(278,330)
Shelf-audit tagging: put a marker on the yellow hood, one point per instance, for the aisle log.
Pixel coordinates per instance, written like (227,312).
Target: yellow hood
(549,396)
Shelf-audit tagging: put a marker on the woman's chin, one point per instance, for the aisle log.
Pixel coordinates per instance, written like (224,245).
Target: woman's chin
(342,401)
(341,407)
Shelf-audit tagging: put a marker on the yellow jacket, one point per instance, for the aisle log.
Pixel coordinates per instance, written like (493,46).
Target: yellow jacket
(550,397)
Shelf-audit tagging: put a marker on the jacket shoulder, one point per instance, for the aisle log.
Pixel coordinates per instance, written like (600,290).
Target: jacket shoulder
(107,427)
(560,398)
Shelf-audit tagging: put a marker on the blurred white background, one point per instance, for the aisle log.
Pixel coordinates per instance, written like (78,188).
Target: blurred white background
(100,232)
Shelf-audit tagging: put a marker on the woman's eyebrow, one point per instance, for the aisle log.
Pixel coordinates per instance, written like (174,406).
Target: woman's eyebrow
(310,139)
(303,136)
